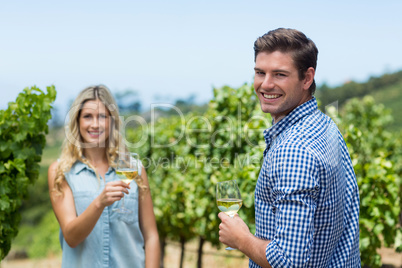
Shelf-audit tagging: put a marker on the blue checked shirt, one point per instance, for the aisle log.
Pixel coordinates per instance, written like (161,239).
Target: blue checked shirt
(306,197)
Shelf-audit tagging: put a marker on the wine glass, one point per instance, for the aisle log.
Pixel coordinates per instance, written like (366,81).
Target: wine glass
(127,167)
(228,199)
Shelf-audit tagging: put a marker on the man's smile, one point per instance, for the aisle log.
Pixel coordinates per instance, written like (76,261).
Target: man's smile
(270,96)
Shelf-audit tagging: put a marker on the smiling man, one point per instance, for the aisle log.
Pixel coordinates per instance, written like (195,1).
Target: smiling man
(306,197)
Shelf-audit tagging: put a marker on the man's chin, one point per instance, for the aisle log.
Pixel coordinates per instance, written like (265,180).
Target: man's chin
(266,109)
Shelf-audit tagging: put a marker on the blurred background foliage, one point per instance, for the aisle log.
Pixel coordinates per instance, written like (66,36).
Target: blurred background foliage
(187,153)
(23,129)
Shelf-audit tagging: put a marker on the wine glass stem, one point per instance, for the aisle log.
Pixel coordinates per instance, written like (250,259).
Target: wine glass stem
(122,202)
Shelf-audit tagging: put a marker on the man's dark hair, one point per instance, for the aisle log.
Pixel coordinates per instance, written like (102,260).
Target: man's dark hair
(303,50)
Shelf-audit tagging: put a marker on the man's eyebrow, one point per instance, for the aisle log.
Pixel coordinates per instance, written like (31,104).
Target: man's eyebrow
(274,71)
(281,71)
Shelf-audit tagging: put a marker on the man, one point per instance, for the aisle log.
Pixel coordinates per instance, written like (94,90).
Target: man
(306,197)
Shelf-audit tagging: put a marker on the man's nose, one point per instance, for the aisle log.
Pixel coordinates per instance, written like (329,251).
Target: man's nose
(268,82)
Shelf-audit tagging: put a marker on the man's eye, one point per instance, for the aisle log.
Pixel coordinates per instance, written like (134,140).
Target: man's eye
(260,73)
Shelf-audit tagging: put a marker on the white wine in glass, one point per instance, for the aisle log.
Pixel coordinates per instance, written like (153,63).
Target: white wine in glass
(126,175)
(228,199)
(229,206)
(127,168)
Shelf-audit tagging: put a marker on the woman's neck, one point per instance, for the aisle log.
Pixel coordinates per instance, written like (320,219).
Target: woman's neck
(96,156)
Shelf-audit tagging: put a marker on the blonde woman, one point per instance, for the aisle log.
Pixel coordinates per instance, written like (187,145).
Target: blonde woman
(84,190)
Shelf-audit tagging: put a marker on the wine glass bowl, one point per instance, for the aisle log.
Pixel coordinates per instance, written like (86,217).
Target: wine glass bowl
(127,168)
(228,198)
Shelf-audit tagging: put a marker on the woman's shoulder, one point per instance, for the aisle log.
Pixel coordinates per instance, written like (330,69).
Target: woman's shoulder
(52,172)
(53,166)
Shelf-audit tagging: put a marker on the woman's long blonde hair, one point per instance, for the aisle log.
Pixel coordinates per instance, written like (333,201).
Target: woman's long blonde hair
(73,145)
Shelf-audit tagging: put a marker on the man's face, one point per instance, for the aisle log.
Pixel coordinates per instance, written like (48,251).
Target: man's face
(277,84)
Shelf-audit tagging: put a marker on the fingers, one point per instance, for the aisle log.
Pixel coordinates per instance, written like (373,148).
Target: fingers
(112,194)
(118,183)
(117,188)
(117,193)
(224,228)
(222,216)
(113,191)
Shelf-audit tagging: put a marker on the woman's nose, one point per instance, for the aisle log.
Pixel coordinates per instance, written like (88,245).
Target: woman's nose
(95,122)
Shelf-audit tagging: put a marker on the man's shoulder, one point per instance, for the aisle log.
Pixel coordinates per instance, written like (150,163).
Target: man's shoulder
(313,127)
(292,147)
(309,135)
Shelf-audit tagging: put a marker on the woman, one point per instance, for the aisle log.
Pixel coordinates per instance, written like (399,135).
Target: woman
(84,190)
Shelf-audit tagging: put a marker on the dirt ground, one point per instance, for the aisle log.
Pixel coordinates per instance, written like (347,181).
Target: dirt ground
(212,258)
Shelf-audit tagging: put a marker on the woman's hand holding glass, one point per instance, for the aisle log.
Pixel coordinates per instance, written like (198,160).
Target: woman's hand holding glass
(114,191)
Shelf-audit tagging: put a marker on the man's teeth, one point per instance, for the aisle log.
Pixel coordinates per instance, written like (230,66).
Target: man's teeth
(270,96)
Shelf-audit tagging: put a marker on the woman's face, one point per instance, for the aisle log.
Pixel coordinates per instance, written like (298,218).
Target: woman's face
(94,123)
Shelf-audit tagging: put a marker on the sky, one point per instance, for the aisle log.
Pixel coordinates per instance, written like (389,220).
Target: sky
(169,50)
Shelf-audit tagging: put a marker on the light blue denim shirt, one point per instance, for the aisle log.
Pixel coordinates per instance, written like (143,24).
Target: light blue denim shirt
(116,240)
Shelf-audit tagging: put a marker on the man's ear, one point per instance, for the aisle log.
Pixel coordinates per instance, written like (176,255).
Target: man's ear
(309,78)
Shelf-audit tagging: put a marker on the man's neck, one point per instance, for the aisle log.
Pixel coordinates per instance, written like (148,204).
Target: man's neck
(279,118)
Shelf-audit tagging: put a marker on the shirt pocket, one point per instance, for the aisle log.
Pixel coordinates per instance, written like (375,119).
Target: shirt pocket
(82,200)
(131,203)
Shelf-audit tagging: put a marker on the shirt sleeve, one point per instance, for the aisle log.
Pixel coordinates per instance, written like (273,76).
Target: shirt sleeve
(295,188)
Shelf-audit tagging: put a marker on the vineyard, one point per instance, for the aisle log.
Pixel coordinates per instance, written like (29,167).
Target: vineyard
(185,156)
